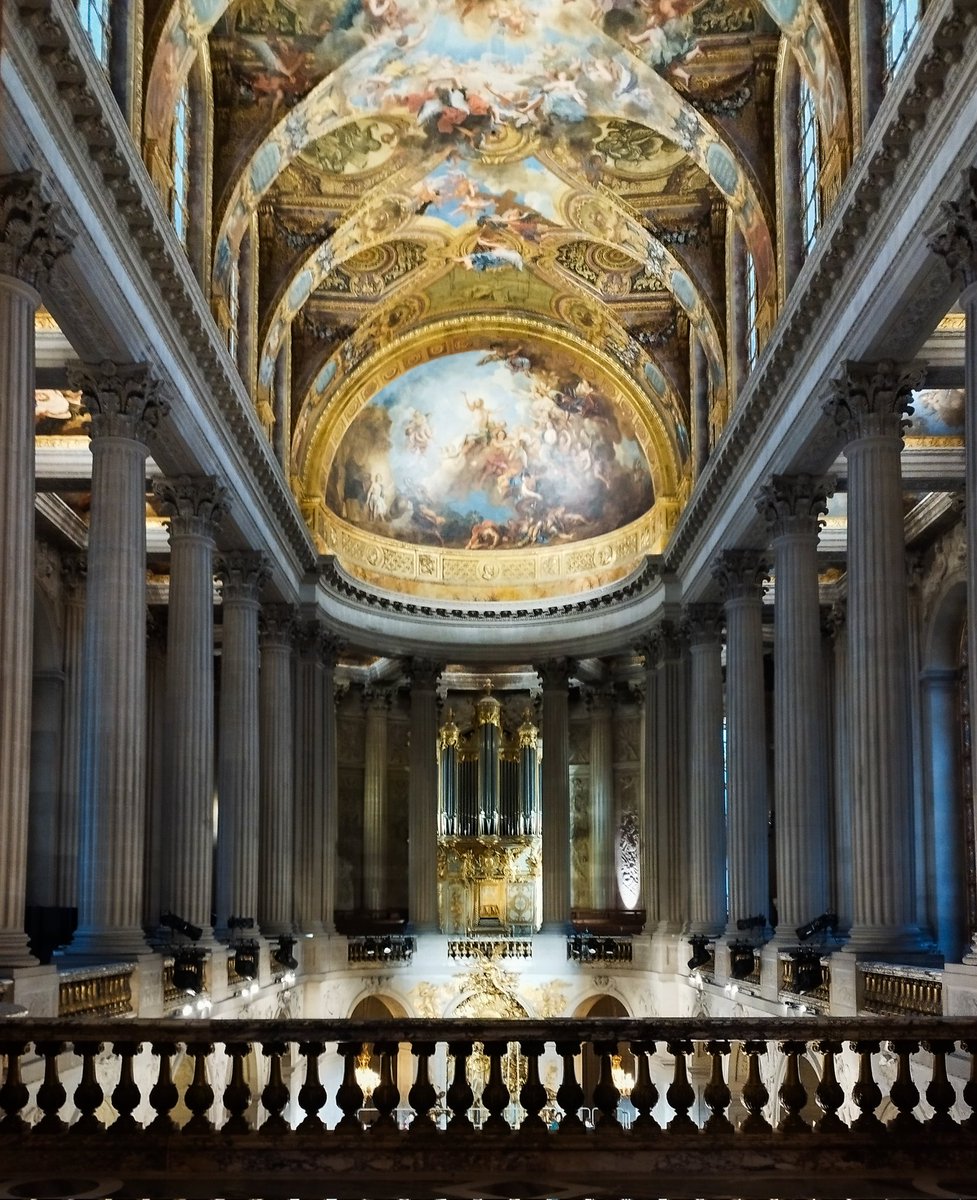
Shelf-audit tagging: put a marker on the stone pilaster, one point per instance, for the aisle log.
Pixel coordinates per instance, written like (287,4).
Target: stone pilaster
(195,508)
(157,812)
(30,244)
(243,574)
(556,799)
(842,859)
(649,781)
(603,891)
(73,570)
(957,245)
(277,791)
(868,405)
(376,821)
(125,408)
(792,507)
(423,798)
(741,575)
(707,821)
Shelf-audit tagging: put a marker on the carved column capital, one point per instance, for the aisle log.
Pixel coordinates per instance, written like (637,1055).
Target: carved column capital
(957,243)
(703,623)
(377,699)
(195,504)
(555,673)
(315,642)
(74,569)
(424,674)
(277,625)
(243,574)
(124,399)
(33,235)
(872,399)
(794,503)
(651,649)
(741,574)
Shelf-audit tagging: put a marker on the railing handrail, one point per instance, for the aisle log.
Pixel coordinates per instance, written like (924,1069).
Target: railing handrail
(811,1028)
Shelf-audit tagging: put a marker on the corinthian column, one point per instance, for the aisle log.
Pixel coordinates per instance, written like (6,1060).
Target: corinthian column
(195,508)
(741,575)
(125,410)
(73,570)
(670,823)
(556,799)
(275,893)
(707,820)
(423,799)
(29,247)
(792,508)
(868,406)
(314,718)
(243,574)
(603,894)
(376,824)
(957,245)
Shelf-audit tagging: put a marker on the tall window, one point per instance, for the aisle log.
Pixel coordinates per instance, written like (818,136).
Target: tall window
(752,311)
(94,16)
(898,30)
(808,158)
(233,308)
(181,164)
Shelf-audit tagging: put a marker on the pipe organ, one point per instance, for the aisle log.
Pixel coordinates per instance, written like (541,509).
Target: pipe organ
(489,817)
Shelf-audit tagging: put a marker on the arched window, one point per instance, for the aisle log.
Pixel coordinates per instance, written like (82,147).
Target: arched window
(179,201)
(752,312)
(898,30)
(808,161)
(233,308)
(94,15)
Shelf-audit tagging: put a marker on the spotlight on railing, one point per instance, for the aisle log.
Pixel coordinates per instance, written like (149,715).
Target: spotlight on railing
(701,955)
(246,958)
(808,974)
(178,925)
(188,969)
(283,953)
(826,923)
(387,949)
(741,961)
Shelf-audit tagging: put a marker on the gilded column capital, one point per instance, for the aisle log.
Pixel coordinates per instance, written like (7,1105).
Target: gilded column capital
(956,244)
(243,573)
(33,235)
(277,624)
(873,399)
(124,399)
(195,505)
(702,623)
(741,574)
(793,504)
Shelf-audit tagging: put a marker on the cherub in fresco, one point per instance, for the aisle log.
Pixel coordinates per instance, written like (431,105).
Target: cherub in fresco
(376,504)
(562,98)
(490,256)
(418,431)
(524,223)
(515,359)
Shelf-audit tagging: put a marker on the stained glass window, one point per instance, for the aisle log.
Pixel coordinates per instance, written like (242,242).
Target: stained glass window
(94,16)
(808,157)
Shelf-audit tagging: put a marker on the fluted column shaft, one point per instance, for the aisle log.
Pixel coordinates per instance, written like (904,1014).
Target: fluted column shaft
(312,722)
(671,828)
(195,508)
(957,245)
(124,409)
(869,405)
(741,574)
(649,787)
(28,247)
(157,800)
(840,706)
(707,821)
(603,891)
(423,797)
(73,572)
(277,788)
(376,822)
(792,507)
(556,797)
(243,574)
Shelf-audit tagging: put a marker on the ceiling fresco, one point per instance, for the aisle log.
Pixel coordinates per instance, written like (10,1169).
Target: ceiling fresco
(559,173)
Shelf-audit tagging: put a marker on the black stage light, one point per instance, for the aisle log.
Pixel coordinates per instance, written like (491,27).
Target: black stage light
(700,955)
(246,959)
(741,960)
(283,953)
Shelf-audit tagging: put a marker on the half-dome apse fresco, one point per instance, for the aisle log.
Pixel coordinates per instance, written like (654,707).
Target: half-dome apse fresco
(501,448)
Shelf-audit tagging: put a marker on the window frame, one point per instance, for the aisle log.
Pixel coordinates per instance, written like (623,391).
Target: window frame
(95,18)
(900,21)
(808,166)
(180,165)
